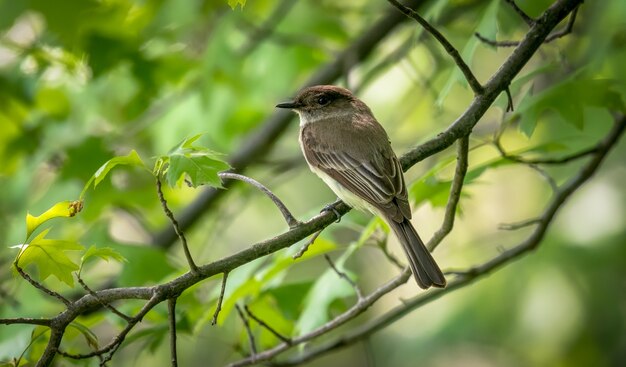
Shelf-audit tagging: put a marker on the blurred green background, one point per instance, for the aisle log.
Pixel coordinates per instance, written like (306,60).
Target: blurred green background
(82,81)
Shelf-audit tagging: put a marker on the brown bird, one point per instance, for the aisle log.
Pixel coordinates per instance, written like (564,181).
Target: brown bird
(347,148)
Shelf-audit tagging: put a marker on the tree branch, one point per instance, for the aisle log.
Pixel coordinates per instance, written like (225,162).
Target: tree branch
(171,312)
(266,326)
(177,229)
(246,324)
(220,298)
(564,32)
(455,194)
(528,20)
(496,84)
(465,69)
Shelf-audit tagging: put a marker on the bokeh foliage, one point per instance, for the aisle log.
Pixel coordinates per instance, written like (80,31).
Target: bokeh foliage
(84,81)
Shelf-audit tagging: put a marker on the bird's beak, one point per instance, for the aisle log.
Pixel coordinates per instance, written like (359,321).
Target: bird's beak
(290,105)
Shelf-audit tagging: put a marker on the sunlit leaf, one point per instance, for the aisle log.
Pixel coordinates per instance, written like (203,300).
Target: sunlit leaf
(48,255)
(61,209)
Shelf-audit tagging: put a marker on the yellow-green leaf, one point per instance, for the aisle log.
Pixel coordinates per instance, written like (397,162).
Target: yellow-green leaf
(60,209)
(48,255)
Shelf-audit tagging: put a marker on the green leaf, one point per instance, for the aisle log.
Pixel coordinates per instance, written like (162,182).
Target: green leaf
(200,165)
(105,253)
(131,159)
(325,291)
(147,264)
(49,257)
(61,209)
(90,337)
(569,99)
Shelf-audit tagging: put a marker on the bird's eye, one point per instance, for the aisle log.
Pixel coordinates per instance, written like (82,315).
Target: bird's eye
(323,100)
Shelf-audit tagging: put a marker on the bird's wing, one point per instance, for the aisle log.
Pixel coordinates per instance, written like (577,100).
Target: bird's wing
(376,179)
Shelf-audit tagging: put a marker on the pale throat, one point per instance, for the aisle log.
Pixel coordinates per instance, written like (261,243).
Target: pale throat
(307,118)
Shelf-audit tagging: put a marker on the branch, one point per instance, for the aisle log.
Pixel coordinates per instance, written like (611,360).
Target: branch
(266,326)
(465,69)
(171,311)
(455,194)
(218,307)
(246,324)
(496,84)
(26,320)
(469,277)
(528,20)
(345,277)
(40,286)
(112,347)
(306,246)
(564,32)
(104,304)
(289,218)
(348,315)
(177,229)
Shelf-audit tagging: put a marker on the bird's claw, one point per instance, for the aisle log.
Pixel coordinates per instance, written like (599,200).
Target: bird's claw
(331,208)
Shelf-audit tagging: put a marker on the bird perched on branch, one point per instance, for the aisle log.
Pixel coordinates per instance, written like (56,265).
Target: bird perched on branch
(347,148)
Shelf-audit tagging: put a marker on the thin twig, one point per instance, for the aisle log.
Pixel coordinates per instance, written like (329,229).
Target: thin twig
(465,69)
(509,104)
(177,229)
(562,33)
(171,311)
(494,43)
(560,160)
(220,298)
(567,30)
(289,218)
(551,182)
(455,193)
(344,276)
(246,324)
(26,320)
(518,225)
(112,347)
(104,304)
(266,326)
(527,19)
(40,286)
(306,245)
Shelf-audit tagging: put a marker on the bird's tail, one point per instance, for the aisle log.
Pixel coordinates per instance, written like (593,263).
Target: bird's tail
(425,269)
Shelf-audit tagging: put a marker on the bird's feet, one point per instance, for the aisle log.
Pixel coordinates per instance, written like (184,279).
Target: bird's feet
(331,208)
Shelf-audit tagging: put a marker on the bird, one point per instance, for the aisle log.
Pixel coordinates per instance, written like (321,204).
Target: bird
(350,151)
